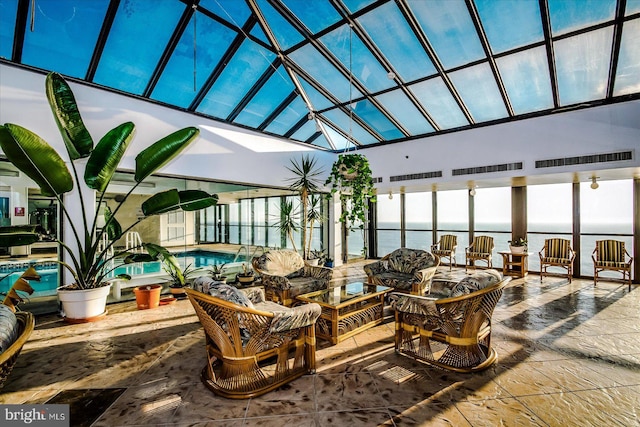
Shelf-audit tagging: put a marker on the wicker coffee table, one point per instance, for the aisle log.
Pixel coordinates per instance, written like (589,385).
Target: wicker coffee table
(348,309)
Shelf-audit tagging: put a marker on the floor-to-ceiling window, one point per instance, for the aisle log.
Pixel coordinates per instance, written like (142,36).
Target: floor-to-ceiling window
(492,215)
(388,230)
(453,218)
(549,214)
(605,213)
(418,220)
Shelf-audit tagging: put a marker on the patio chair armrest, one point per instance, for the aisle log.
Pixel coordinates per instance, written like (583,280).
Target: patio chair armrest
(414,304)
(295,318)
(374,268)
(254,293)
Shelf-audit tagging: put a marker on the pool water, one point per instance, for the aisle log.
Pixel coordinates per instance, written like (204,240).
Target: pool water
(49,273)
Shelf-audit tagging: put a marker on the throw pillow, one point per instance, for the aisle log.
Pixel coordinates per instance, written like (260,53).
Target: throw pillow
(8,328)
(229,293)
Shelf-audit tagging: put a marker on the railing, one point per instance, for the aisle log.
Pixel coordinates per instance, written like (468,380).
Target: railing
(246,252)
(133,241)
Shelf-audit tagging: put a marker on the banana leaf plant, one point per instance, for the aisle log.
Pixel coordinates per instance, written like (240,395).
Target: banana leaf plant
(91,263)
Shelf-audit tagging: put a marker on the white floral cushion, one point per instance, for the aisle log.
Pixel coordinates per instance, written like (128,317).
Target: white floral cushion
(8,328)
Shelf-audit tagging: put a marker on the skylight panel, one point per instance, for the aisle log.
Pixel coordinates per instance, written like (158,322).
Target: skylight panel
(510,23)
(305,132)
(292,114)
(633,6)
(526,78)
(356,57)
(7,27)
(233,11)
(270,96)
(388,29)
(356,5)
(375,119)
(240,74)
(439,103)
(403,110)
(257,32)
(176,84)
(134,47)
(321,141)
(479,91)
(339,141)
(567,16)
(321,70)
(64,36)
(582,66)
(318,100)
(628,71)
(316,16)
(449,29)
(284,33)
(349,127)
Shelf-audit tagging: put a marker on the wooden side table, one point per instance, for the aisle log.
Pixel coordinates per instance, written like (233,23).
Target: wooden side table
(515,264)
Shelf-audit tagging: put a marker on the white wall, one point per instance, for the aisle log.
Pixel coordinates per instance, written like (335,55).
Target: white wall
(222,152)
(597,130)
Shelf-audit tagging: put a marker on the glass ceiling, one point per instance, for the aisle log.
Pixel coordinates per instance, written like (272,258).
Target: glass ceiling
(339,74)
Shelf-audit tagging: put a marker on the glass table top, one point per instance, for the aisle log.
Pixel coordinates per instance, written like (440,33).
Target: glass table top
(344,294)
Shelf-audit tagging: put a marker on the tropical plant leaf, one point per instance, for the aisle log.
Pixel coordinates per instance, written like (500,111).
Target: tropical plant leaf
(162,202)
(161,152)
(193,200)
(105,158)
(18,238)
(170,200)
(36,158)
(113,227)
(63,104)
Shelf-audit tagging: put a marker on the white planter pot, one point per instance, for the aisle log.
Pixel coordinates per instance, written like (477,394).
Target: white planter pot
(518,249)
(84,305)
(313,262)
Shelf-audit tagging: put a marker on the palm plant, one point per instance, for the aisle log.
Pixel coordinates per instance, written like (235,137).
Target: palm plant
(89,263)
(287,223)
(306,182)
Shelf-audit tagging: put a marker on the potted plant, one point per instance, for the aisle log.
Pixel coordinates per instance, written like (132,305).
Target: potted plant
(518,245)
(306,182)
(246,276)
(328,262)
(87,260)
(216,270)
(351,176)
(179,276)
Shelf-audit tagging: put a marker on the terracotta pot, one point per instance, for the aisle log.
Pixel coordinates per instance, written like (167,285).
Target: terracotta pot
(147,296)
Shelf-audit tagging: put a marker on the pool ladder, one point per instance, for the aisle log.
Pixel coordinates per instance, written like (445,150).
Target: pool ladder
(246,252)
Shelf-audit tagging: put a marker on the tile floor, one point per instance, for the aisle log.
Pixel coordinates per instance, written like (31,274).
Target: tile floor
(569,355)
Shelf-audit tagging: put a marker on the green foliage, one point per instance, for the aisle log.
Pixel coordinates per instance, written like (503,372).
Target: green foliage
(31,154)
(351,176)
(520,241)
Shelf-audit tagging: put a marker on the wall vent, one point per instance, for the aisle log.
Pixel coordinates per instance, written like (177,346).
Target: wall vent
(582,160)
(377,179)
(412,176)
(487,169)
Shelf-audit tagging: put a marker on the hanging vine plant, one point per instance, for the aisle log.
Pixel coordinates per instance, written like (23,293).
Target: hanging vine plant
(351,176)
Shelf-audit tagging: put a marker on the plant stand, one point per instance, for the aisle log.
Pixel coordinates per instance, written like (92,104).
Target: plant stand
(515,264)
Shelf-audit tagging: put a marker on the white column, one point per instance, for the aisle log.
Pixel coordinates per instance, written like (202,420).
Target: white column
(19,199)
(335,230)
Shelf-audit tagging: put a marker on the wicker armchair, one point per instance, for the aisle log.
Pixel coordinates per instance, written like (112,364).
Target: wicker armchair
(286,275)
(252,350)
(449,333)
(26,323)
(611,255)
(446,248)
(481,249)
(556,253)
(404,270)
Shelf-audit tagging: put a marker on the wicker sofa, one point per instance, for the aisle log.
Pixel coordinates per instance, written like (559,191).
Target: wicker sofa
(451,327)
(404,270)
(286,275)
(253,346)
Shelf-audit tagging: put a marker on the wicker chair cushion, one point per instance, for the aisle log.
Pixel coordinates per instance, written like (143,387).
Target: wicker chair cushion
(611,251)
(405,260)
(612,264)
(304,285)
(280,262)
(475,282)
(8,327)
(396,280)
(230,293)
(555,260)
(294,274)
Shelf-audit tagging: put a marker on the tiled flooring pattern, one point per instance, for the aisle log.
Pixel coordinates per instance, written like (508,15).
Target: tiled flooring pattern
(569,355)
